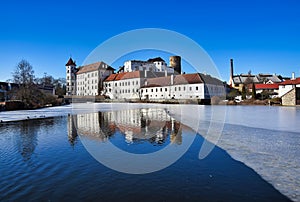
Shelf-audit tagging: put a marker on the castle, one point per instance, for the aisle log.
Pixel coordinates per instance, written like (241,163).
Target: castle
(145,80)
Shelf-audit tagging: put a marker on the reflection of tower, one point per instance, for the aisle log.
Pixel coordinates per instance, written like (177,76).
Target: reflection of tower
(72,133)
(175,63)
(176,132)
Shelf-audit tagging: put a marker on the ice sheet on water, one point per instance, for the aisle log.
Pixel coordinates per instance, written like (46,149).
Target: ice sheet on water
(266,139)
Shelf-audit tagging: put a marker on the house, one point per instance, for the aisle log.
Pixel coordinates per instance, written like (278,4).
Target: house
(126,85)
(5,89)
(184,86)
(238,81)
(289,91)
(89,78)
(86,80)
(271,88)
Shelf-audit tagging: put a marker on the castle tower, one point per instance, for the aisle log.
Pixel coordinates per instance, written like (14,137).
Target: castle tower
(175,62)
(71,77)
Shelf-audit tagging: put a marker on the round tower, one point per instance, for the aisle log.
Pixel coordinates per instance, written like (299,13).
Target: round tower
(175,63)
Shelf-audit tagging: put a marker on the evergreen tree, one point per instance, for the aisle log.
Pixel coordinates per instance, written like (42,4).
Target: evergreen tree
(253,91)
(243,92)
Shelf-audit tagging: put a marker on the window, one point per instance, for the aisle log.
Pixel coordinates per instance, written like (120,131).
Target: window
(190,88)
(160,89)
(152,90)
(178,88)
(156,89)
(196,87)
(175,89)
(166,89)
(183,88)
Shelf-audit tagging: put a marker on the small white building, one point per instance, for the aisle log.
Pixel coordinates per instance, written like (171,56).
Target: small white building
(89,78)
(289,91)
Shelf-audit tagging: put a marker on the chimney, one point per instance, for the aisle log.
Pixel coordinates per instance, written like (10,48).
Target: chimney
(172,79)
(293,75)
(231,68)
(145,73)
(231,72)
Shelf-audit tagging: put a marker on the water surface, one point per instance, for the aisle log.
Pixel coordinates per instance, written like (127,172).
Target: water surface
(47,160)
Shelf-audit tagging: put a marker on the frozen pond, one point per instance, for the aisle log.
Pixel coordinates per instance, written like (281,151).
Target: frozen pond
(265,139)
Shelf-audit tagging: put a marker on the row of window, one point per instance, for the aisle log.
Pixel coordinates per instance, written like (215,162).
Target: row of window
(93,81)
(125,83)
(88,88)
(166,89)
(126,91)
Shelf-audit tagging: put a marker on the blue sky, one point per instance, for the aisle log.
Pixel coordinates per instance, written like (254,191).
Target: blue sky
(261,36)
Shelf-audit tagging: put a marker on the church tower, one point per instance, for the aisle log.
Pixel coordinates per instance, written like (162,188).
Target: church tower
(71,77)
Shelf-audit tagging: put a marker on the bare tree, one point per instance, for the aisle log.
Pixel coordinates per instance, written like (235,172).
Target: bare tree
(24,76)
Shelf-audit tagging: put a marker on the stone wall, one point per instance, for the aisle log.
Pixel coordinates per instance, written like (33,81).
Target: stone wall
(289,98)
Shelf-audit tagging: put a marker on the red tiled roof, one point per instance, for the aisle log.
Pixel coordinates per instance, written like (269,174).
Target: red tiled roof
(178,79)
(123,75)
(187,79)
(291,82)
(70,62)
(266,86)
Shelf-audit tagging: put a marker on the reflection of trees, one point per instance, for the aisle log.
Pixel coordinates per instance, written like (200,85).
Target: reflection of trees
(27,140)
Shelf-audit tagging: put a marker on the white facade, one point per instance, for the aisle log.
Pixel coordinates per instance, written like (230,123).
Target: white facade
(182,91)
(188,86)
(90,78)
(123,89)
(283,89)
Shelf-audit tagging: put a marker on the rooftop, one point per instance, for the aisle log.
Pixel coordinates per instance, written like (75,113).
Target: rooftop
(94,67)
(71,62)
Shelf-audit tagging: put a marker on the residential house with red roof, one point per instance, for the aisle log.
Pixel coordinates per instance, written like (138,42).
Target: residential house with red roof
(289,91)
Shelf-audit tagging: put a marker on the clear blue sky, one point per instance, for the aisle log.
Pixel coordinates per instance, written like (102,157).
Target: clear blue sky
(262,36)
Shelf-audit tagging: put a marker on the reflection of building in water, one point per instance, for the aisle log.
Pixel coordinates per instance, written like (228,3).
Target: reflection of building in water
(153,125)
(72,133)
(94,125)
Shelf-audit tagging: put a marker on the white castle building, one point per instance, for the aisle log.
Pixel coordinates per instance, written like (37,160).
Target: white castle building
(154,80)
(144,80)
(86,80)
